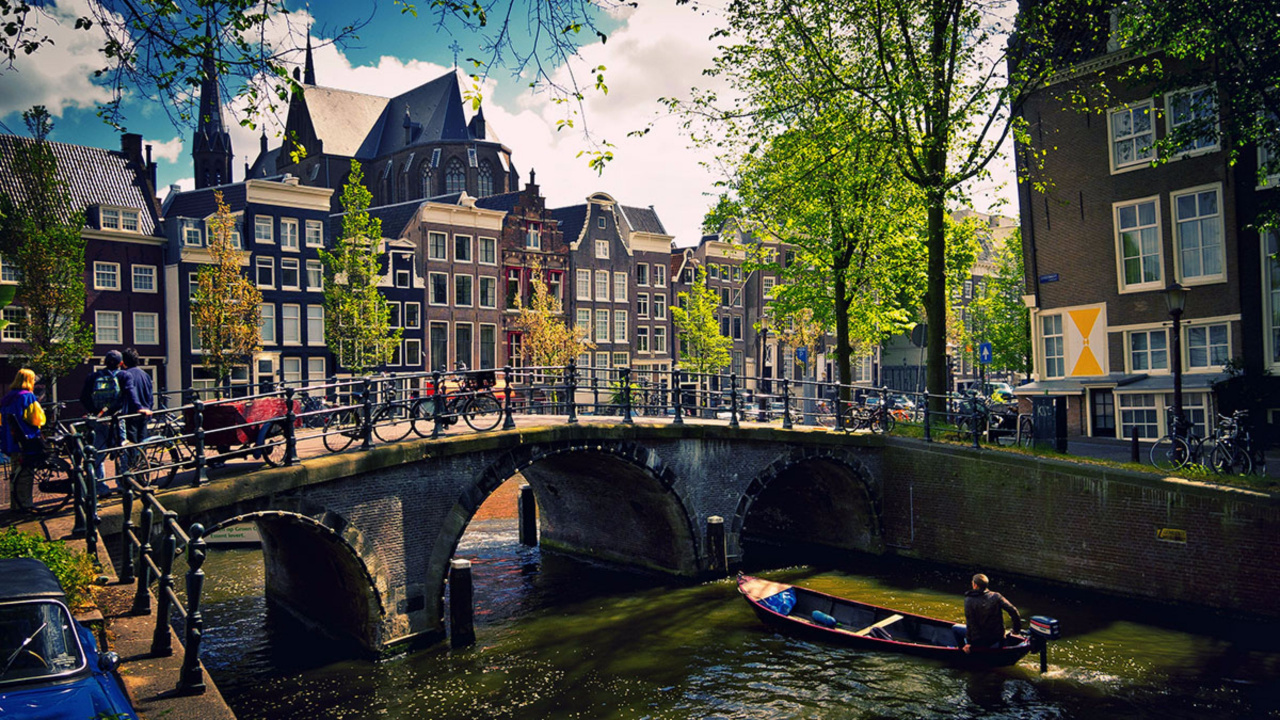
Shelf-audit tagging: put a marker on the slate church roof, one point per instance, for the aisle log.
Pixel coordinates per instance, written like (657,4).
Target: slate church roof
(93,176)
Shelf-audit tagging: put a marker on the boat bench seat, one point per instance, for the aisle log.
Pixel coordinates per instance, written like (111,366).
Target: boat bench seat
(887,621)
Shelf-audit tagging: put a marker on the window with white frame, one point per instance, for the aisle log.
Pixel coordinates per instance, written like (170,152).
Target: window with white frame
(488,251)
(642,305)
(439,283)
(144,278)
(515,288)
(413,353)
(462,290)
(291,324)
(602,285)
(196,345)
(1268,157)
(146,328)
(9,272)
(462,248)
(602,359)
(14,316)
(621,359)
(584,361)
(766,286)
(1132,136)
(1271,293)
(602,249)
(315,275)
(315,233)
(267,323)
(1139,411)
(488,347)
(289,273)
(1055,358)
(234,233)
(1208,346)
(1138,246)
(642,339)
(659,275)
(1193,111)
(1198,225)
(488,292)
(619,325)
(315,371)
(737,297)
(315,325)
(106,276)
(602,326)
(554,282)
(659,340)
(1148,350)
(191,235)
(584,321)
(737,327)
(533,236)
(107,327)
(109,218)
(659,307)
(263,229)
(266,271)
(393,314)
(619,287)
(642,274)
(437,246)
(291,370)
(289,234)
(413,315)
(582,291)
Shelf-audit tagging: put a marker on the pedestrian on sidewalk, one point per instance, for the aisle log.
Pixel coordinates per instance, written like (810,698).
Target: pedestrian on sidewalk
(21,418)
(103,397)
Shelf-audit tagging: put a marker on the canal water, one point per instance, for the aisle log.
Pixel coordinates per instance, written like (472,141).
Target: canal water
(560,638)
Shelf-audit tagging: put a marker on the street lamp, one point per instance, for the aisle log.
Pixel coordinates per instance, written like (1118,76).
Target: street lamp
(1175,296)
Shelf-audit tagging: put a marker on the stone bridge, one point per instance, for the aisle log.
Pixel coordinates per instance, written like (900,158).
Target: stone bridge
(360,543)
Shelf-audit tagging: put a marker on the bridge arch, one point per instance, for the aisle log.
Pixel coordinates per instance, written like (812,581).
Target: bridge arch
(322,569)
(613,500)
(817,496)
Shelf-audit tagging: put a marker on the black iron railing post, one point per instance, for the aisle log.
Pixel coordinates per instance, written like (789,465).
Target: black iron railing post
(595,392)
(786,404)
(928,437)
(202,474)
(733,400)
(161,644)
(625,374)
(437,404)
(290,438)
(84,499)
(191,679)
(508,421)
(571,389)
(676,400)
(142,596)
(973,420)
(126,534)
(366,416)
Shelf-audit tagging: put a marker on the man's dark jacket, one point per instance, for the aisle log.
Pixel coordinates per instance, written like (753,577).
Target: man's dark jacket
(984,624)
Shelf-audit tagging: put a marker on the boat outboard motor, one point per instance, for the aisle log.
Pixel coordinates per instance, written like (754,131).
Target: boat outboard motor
(1043,629)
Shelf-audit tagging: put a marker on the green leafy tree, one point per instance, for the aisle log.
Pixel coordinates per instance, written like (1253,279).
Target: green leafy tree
(40,236)
(702,348)
(226,309)
(546,340)
(997,313)
(357,320)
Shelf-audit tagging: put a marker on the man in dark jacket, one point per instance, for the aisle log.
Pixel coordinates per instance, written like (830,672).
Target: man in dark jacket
(984,624)
(102,397)
(138,397)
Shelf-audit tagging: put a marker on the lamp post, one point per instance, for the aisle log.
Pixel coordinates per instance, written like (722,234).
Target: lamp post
(1176,297)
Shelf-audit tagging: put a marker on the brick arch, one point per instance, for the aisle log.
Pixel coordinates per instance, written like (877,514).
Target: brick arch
(518,459)
(797,457)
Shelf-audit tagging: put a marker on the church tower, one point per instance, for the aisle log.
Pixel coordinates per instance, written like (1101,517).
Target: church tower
(211,144)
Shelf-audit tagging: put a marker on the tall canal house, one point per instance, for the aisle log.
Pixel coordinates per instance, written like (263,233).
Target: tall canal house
(1118,226)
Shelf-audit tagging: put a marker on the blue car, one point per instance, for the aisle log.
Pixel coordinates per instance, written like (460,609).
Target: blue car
(50,667)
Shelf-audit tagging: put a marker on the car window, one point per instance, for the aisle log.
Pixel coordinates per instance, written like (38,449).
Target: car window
(51,649)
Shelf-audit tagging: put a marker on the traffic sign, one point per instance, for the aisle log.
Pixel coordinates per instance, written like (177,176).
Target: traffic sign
(802,354)
(984,353)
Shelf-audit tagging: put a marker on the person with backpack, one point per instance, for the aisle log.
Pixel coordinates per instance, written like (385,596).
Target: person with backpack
(21,418)
(102,397)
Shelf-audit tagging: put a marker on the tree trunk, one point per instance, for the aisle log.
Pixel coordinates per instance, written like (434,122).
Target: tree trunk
(843,349)
(936,305)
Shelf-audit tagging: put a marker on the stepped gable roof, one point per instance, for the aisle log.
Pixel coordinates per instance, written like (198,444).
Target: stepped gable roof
(642,219)
(201,203)
(505,202)
(92,175)
(571,219)
(396,218)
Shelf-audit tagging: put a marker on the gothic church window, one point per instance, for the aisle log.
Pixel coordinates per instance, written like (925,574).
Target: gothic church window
(455,178)
(486,179)
(426,181)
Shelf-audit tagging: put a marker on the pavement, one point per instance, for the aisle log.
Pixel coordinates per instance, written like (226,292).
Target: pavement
(1122,451)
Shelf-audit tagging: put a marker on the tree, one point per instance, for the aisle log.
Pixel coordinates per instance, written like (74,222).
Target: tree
(226,309)
(357,320)
(702,348)
(40,237)
(997,313)
(546,340)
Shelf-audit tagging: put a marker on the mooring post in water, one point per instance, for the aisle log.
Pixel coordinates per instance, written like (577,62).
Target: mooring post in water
(462,629)
(718,561)
(527,511)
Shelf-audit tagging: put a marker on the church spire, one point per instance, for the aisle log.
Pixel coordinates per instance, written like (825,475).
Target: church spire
(309,74)
(211,145)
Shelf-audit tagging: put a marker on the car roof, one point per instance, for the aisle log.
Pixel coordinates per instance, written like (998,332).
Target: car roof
(28,579)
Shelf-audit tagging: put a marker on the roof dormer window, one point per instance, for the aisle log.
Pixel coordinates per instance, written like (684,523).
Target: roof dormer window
(112,218)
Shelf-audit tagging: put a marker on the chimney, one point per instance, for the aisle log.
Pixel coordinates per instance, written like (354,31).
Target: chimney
(131,146)
(262,143)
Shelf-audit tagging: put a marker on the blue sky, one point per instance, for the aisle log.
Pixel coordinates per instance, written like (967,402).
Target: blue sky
(655,50)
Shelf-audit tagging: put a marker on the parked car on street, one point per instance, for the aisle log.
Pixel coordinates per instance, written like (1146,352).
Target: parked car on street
(50,667)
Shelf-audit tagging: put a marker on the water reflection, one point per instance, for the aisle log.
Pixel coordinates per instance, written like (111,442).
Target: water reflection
(559,638)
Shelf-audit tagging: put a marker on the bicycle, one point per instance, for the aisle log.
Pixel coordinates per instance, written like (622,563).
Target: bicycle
(479,408)
(1180,448)
(51,476)
(165,448)
(1234,448)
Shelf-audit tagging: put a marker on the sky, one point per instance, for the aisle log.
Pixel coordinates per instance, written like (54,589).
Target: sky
(657,49)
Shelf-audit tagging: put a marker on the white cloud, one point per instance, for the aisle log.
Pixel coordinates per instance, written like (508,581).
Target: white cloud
(58,75)
(170,150)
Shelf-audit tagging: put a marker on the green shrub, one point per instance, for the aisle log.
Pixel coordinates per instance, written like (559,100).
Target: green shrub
(73,568)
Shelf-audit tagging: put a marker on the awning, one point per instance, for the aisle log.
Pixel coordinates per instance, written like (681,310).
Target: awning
(1191,382)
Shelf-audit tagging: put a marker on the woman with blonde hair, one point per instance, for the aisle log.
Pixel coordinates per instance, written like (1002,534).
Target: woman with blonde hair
(21,418)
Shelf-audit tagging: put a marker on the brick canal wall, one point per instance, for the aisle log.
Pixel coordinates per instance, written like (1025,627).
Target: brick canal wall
(1120,532)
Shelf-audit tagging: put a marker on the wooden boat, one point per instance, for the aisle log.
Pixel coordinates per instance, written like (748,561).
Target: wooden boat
(818,616)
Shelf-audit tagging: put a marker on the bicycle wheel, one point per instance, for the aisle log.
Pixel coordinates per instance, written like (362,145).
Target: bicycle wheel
(1025,428)
(421,414)
(392,422)
(1170,453)
(1230,459)
(340,429)
(482,413)
(165,459)
(272,448)
(51,487)
(882,422)
(136,461)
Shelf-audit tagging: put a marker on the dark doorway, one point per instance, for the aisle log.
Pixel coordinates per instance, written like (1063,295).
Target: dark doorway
(1103,403)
